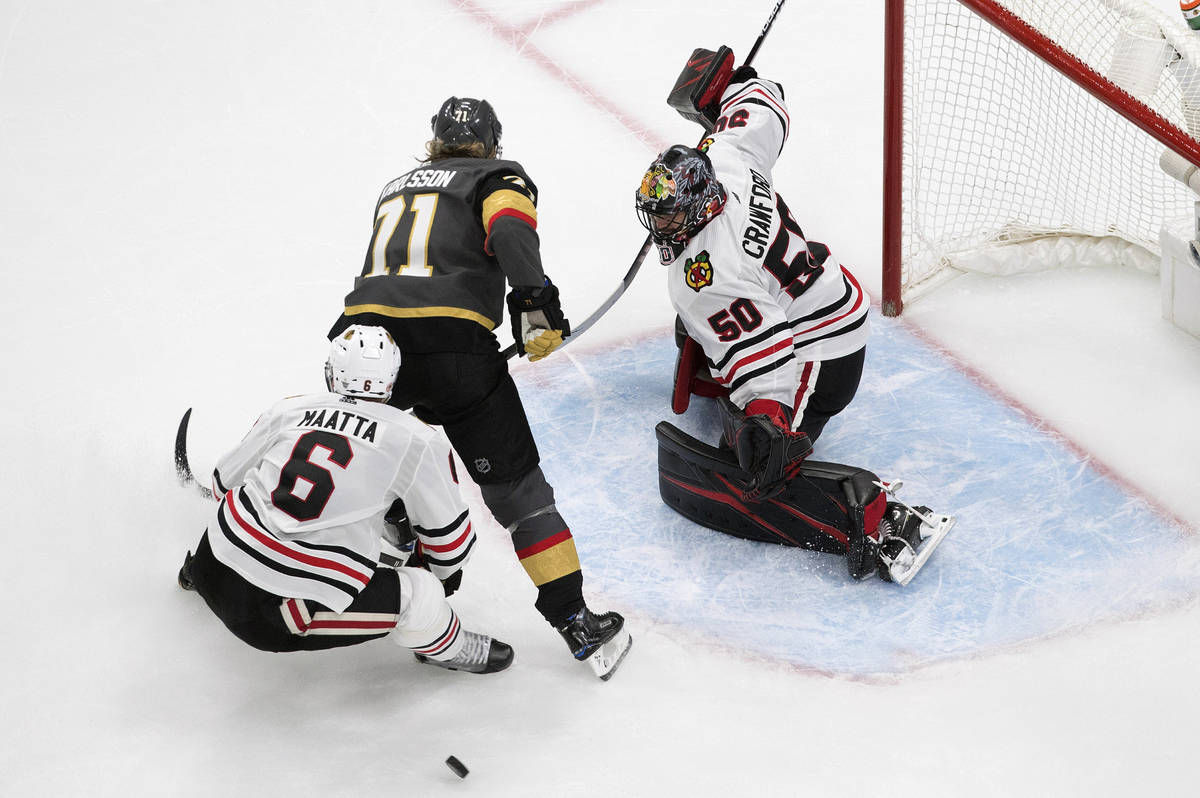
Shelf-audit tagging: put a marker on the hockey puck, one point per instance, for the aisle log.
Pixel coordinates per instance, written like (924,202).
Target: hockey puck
(459,768)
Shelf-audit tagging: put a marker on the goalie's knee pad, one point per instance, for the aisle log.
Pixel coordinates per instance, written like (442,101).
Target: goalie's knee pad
(692,375)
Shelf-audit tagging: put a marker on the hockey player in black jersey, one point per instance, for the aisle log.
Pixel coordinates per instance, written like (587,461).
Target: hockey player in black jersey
(774,327)
(448,235)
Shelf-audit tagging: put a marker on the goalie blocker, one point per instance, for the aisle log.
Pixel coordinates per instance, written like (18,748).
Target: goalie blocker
(826,507)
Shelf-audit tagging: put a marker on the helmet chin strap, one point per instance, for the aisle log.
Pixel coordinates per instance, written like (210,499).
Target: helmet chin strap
(668,251)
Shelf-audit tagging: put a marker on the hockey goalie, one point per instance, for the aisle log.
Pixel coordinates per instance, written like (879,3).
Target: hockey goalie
(774,328)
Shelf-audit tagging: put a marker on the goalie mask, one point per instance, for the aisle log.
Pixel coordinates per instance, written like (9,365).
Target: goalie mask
(463,120)
(679,194)
(362,362)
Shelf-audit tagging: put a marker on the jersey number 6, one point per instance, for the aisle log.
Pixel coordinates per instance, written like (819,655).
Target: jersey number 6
(300,467)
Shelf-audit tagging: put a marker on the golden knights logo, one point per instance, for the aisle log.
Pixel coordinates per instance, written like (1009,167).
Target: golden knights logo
(698,272)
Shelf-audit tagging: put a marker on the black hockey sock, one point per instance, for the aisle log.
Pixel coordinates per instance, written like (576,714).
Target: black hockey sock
(561,598)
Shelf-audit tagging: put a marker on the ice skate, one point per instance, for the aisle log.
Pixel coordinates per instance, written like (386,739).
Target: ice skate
(185,573)
(600,640)
(909,536)
(479,654)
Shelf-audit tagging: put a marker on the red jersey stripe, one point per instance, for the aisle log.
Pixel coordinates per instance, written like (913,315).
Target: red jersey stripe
(765,96)
(275,545)
(452,545)
(857,304)
(780,345)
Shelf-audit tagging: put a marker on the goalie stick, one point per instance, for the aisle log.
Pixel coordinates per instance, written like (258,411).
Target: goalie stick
(511,350)
(182,469)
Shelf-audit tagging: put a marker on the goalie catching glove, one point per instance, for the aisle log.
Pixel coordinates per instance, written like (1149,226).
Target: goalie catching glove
(700,86)
(767,449)
(538,324)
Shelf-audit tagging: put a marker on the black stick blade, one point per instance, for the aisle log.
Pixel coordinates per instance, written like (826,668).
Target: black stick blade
(182,469)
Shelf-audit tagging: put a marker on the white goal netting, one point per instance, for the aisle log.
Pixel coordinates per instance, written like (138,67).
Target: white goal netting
(1000,148)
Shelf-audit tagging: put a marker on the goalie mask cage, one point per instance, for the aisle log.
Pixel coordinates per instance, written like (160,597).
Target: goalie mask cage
(1020,133)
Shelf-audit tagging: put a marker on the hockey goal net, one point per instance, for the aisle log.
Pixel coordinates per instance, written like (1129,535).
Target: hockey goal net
(1022,132)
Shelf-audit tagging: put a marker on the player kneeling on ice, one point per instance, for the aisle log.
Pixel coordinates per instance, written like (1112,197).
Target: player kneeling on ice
(771,324)
(292,558)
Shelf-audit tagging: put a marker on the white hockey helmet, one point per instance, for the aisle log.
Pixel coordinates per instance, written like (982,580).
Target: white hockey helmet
(363,362)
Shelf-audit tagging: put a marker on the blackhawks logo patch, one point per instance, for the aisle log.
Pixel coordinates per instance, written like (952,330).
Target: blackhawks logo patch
(704,145)
(657,184)
(698,271)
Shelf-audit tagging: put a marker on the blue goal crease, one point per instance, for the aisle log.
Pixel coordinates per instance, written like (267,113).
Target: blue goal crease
(1044,542)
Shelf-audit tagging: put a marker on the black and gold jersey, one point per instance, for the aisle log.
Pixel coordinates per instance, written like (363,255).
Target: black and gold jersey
(446,238)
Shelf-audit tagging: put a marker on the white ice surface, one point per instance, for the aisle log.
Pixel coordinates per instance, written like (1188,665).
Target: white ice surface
(186,191)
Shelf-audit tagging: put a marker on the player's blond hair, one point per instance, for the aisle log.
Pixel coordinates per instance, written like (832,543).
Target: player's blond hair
(438,150)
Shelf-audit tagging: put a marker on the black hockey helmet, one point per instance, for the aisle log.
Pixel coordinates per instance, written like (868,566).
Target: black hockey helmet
(463,120)
(679,194)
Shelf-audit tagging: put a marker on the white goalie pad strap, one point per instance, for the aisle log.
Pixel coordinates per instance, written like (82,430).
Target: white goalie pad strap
(300,621)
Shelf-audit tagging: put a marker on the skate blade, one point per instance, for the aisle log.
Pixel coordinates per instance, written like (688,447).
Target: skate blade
(930,538)
(605,661)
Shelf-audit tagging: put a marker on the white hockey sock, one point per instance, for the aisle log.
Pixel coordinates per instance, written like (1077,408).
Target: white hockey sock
(428,624)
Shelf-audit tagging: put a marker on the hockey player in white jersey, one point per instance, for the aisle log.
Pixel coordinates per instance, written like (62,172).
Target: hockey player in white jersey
(769,321)
(292,558)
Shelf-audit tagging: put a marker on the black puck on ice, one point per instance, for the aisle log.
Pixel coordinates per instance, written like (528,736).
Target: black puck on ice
(459,768)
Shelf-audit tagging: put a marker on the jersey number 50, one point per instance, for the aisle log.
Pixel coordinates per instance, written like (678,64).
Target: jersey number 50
(792,260)
(741,317)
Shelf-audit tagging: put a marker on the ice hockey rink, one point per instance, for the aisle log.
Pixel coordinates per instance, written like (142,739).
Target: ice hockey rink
(186,194)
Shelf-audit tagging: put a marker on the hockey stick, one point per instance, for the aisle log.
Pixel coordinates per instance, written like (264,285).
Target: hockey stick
(604,306)
(182,469)
(758,42)
(641,256)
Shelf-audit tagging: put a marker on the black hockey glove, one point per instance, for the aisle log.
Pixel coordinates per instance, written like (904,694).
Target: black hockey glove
(767,448)
(538,324)
(399,545)
(452,583)
(741,75)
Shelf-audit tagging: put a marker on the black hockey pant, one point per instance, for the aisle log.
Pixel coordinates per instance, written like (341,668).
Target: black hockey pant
(473,397)
(273,623)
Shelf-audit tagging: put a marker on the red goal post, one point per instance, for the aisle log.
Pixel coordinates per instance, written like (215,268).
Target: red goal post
(1016,122)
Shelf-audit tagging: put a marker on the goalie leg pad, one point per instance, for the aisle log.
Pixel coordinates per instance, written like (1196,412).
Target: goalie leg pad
(705,484)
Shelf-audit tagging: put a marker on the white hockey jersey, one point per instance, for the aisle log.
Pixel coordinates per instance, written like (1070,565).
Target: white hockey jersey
(302,497)
(760,298)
